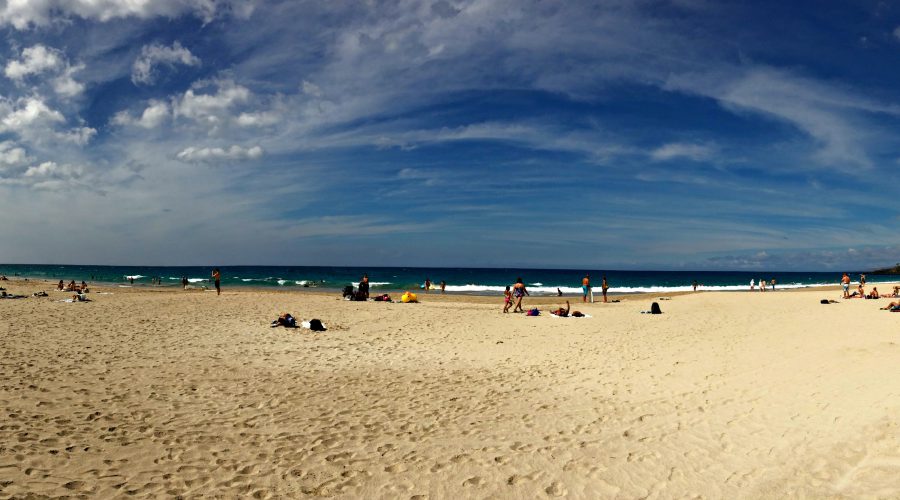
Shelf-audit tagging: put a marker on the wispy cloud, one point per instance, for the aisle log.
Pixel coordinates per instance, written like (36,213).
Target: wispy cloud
(145,68)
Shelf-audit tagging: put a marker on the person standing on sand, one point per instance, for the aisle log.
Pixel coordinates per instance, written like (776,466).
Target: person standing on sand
(364,285)
(216,276)
(862,279)
(762,285)
(519,292)
(845,284)
(773,284)
(443,286)
(507,299)
(604,286)
(585,287)
(752,284)
(184,282)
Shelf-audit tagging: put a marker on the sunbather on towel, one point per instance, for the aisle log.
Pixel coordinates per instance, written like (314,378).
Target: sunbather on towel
(563,313)
(285,320)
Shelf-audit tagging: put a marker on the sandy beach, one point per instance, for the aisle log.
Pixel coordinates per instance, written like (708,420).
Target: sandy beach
(171,393)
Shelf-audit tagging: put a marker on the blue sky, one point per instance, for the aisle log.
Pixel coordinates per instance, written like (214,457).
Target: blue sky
(682,134)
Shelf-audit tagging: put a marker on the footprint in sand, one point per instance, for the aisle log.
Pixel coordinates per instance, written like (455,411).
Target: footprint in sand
(556,489)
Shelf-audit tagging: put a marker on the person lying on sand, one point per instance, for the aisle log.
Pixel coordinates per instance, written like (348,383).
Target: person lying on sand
(564,313)
(285,320)
(891,306)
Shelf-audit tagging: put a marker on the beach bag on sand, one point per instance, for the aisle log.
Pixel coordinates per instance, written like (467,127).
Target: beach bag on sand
(316,325)
(654,308)
(348,291)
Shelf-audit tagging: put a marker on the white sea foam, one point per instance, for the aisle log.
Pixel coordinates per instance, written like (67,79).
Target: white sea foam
(196,280)
(135,277)
(546,290)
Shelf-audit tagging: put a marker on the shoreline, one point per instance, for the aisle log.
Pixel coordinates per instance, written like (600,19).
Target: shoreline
(433,293)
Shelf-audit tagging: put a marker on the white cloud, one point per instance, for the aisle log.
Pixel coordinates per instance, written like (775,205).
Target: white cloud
(695,152)
(78,135)
(310,89)
(35,60)
(154,115)
(65,85)
(38,59)
(211,108)
(12,155)
(259,119)
(233,153)
(152,56)
(29,113)
(23,14)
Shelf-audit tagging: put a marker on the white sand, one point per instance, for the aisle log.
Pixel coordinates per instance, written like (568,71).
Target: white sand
(726,395)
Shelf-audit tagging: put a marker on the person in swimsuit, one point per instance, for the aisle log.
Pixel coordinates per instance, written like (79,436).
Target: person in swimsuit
(519,292)
(216,276)
(507,297)
(443,286)
(845,284)
(604,286)
(585,287)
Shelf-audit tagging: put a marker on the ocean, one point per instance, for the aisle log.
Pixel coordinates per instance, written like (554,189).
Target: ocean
(459,280)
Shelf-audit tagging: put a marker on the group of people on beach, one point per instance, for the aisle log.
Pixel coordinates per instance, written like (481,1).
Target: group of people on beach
(762,284)
(860,292)
(586,289)
(72,287)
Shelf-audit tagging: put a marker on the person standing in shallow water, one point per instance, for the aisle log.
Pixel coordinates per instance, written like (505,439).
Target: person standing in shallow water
(216,276)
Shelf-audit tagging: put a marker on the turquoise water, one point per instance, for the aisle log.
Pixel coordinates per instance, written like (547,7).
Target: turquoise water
(459,280)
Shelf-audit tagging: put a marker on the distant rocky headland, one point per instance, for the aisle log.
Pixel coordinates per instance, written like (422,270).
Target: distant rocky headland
(889,270)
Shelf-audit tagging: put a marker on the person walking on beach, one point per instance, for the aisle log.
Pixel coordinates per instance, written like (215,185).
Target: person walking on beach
(519,292)
(773,284)
(604,286)
(427,285)
(184,282)
(694,284)
(443,286)
(586,287)
(845,284)
(216,276)
(752,284)
(762,285)
(507,299)
(862,279)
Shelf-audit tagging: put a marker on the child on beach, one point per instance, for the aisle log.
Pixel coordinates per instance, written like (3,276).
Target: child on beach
(508,299)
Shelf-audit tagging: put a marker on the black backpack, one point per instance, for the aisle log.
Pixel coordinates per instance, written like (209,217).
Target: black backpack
(316,325)
(654,308)
(348,291)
